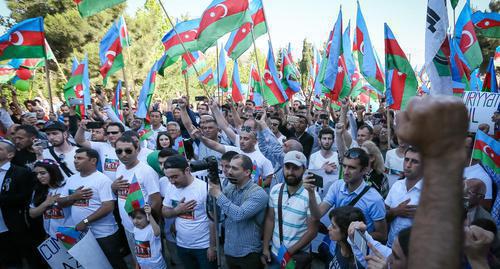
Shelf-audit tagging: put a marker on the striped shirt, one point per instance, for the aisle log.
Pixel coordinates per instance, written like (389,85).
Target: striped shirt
(295,210)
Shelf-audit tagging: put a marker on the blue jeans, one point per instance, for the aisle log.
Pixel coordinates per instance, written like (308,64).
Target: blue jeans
(195,258)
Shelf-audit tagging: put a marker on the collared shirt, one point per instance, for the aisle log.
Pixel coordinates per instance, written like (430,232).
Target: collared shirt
(244,209)
(273,151)
(372,204)
(295,210)
(3,172)
(398,194)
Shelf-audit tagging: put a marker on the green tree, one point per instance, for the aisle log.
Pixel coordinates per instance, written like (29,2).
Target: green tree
(305,62)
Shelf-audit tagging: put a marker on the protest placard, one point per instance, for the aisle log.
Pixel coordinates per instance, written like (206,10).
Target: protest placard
(56,255)
(481,106)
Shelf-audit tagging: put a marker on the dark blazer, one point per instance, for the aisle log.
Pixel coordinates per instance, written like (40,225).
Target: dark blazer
(15,195)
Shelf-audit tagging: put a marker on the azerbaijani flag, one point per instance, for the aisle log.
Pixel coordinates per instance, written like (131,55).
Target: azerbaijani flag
(110,53)
(147,90)
(219,18)
(24,40)
(76,85)
(124,37)
(254,86)
(401,80)
(241,39)
(207,78)
(192,60)
(167,61)
(145,133)
(235,84)
(466,37)
(222,71)
(273,91)
(290,76)
(490,83)
(487,150)
(181,149)
(488,24)
(68,236)
(135,198)
(116,103)
(363,49)
(460,72)
(285,259)
(88,8)
(183,33)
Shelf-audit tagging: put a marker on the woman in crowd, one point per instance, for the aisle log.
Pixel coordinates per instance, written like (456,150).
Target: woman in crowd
(163,141)
(376,177)
(47,190)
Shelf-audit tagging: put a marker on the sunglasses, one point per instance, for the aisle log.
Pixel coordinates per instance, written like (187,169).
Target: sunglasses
(247,129)
(114,133)
(351,154)
(120,151)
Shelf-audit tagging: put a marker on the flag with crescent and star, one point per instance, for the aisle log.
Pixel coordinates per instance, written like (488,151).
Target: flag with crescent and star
(192,60)
(222,71)
(400,78)
(124,37)
(368,65)
(460,71)
(207,78)
(184,33)
(24,40)
(467,39)
(490,83)
(487,151)
(110,53)
(219,18)
(78,86)
(488,24)
(289,75)
(273,92)
(236,84)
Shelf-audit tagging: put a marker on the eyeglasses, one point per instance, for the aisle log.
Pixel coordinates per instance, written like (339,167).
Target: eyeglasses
(120,151)
(114,133)
(352,154)
(247,129)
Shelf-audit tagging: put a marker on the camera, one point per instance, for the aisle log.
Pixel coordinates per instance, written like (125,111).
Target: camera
(209,163)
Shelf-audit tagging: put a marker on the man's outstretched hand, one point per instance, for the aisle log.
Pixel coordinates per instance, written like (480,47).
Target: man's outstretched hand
(434,125)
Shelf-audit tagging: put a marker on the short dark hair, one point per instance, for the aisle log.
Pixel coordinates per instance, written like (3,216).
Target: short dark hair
(154,110)
(250,101)
(176,162)
(411,148)
(128,139)
(203,104)
(368,127)
(167,152)
(29,129)
(360,154)
(131,133)
(228,155)
(278,119)
(302,117)
(344,215)
(119,125)
(91,153)
(326,131)
(246,162)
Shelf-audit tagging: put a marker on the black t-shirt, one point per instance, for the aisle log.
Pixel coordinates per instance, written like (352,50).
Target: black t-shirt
(24,158)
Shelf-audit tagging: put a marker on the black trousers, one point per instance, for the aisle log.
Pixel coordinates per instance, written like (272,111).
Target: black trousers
(111,245)
(250,261)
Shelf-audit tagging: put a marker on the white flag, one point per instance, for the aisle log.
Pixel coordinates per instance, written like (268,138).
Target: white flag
(437,64)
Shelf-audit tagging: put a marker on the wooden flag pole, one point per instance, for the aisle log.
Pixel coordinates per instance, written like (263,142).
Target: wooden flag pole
(217,68)
(47,77)
(186,83)
(127,91)
(183,46)
(257,61)
(388,128)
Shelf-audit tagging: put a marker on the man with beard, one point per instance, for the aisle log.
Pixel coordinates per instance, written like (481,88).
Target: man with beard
(61,150)
(289,207)
(325,158)
(243,203)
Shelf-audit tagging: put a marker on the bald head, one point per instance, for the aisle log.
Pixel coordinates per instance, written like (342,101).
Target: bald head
(475,185)
(292,145)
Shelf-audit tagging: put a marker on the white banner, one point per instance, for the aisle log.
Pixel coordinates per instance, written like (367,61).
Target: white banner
(88,252)
(56,255)
(481,106)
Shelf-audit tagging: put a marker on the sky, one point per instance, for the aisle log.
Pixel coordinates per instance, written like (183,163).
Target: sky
(293,20)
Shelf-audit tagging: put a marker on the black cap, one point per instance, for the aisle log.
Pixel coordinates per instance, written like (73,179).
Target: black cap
(178,162)
(54,125)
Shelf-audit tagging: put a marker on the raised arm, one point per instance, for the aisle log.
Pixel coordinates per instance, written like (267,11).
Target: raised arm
(221,121)
(80,135)
(196,134)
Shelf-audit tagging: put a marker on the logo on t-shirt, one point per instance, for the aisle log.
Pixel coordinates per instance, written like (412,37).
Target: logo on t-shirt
(53,212)
(122,193)
(142,249)
(110,165)
(187,215)
(81,202)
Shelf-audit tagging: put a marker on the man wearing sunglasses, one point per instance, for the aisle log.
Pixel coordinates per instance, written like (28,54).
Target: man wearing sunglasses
(127,150)
(107,155)
(354,191)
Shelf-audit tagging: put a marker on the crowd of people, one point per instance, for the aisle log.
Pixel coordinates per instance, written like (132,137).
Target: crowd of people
(314,186)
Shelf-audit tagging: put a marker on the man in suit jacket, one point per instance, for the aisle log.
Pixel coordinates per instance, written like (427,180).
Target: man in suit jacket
(16,185)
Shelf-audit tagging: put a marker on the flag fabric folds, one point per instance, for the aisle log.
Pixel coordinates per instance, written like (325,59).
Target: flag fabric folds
(192,60)
(289,75)
(116,103)
(147,90)
(273,92)
(135,198)
(24,40)
(183,33)
(207,78)
(222,80)
(110,53)
(490,83)
(488,24)
(487,151)
(236,84)
(88,8)
(460,71)
(124,37)
(466,38)
(68,236)
(78,86)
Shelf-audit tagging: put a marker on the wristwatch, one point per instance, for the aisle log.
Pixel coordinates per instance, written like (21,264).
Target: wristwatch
(85,221)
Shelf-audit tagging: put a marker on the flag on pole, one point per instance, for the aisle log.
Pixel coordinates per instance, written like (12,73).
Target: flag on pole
(236,85)
(466,38)
(219,18)
(476,84)
(241,39)
(88,8)
(24,40)
(192,60)
(254,87)
(460,71)
(181,149)
(290,77)
(167,61)
(183,33)
(74,88)
(488,24)
(135,198)
(110,53)
(490,83)
(400,79)
(116,103)
(437,48)
(48,51)
(368,65)
(207,78)
(273,91)
(124,37)
(222,71)
(68,236)
(487,151)
(147,90)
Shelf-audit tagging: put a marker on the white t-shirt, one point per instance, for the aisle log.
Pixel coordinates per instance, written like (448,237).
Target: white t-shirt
(395,165)
(81,209)
(148,180)
(55,216)
(262,167)
(151,141)
(316,161)
(68,157)
(164,186)
(107,157)
(143,154)
(281,138)
(193,227)
(476,171)
(148,248)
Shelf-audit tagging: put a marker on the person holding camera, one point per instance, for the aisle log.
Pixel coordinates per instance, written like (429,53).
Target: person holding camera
(186,202)
(243,203)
